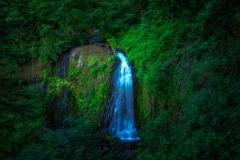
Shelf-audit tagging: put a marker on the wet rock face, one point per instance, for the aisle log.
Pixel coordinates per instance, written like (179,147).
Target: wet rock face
(90,49)
(88,80)
(77,54)
(64,65)
(93,35)
(97,41)
(59,109)
(32,71)
(75,86)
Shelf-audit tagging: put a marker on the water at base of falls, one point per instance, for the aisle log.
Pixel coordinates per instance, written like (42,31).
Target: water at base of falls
(121,108)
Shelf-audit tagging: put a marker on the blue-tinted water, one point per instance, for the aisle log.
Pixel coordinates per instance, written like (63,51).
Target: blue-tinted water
(122,123)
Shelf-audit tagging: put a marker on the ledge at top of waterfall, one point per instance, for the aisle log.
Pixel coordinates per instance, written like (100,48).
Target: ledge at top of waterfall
(121,108)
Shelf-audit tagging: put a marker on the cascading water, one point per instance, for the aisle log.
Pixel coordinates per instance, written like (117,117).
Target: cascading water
(62,71)
(63,99)
(121,111)
(60,102)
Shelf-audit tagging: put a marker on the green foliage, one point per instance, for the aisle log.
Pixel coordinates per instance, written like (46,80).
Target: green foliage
(209,127)
(186,58)
(95,105)
(115,16)
(22,119)
(77,141)
(154,136)
(186,55)
(151,47)
(94,70)
(73,72)
(112,60)
(218,19)
(88,85)
(98,69)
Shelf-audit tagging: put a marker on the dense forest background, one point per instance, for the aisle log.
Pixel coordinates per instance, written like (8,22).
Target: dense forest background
(186,56)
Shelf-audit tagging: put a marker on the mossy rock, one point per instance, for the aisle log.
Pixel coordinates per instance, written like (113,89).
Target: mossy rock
(90,77)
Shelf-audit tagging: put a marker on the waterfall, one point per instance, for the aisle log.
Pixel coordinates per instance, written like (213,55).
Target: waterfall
(121,109)
(63,68)
(59,106)
(63,99)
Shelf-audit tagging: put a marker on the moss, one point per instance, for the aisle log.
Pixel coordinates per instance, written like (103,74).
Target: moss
(89,83)
(145,102)
(92,61)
